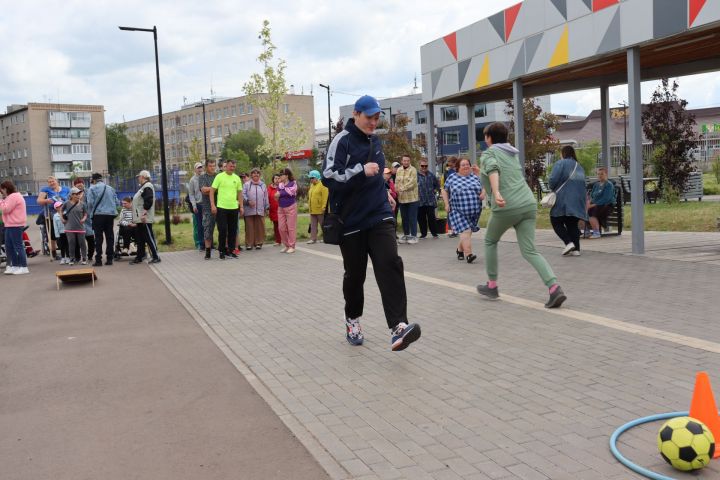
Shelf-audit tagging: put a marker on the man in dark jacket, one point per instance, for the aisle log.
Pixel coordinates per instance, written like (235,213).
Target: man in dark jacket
(352,172)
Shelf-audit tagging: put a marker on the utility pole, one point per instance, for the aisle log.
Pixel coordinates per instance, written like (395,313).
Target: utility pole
(327,87)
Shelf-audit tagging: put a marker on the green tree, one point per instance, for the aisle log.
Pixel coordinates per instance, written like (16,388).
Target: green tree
(587,156)
(539,140)
(118,147)
(242,160)
(671,129)
(247,141)
(266,93)
(395,140)
(144,150)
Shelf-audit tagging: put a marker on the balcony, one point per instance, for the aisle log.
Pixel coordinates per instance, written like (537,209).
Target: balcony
(63,175)
(80,123)
(59,122)
(62,157)
(60,141)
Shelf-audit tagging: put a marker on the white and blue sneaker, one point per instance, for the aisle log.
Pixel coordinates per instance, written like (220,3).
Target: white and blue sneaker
(404,335)
(353,331)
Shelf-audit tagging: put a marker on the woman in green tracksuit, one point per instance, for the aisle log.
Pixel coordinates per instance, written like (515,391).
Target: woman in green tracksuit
(512,204)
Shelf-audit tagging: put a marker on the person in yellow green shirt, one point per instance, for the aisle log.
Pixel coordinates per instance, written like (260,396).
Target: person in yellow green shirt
(227,208)
(317,200)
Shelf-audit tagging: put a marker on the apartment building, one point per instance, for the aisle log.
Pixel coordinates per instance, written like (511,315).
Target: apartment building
(214,119)
(42,139)
(451,121)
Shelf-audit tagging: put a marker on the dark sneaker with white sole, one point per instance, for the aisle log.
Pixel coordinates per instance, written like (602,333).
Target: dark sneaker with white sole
(404,335)
(490,293)
(556,298)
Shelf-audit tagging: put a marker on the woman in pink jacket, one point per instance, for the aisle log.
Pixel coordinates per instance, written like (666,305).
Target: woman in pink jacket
(287,209)
(12,205)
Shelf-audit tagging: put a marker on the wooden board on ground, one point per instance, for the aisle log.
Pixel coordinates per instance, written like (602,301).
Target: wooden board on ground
(76,276)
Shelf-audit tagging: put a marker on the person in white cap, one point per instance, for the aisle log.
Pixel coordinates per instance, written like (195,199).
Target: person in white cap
(143,206)
(317,200)
(195,197)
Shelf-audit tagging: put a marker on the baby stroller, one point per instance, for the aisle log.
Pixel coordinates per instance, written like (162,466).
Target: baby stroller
(125,243)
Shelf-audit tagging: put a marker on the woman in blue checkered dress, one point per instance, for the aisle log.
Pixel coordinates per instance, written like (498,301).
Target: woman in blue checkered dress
(463,195)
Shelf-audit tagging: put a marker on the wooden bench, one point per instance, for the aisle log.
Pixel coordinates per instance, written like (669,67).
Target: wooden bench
(77,275)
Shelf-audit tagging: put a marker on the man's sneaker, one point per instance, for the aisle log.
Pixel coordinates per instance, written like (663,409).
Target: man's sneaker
(353,331)
(556,298)
(207,254)
(403,239)
(222,255)
(412,240)
(404,335)
(311,242)
(568,248)
(10,270)
(83,261)
(233,255)
(154,260)
(575,253)
(491,293)
(595,235)
(21,271)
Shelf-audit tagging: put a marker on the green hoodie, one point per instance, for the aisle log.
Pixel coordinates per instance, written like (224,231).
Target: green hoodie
(503,158)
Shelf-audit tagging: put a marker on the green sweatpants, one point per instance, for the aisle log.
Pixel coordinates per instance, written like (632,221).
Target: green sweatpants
(523,221)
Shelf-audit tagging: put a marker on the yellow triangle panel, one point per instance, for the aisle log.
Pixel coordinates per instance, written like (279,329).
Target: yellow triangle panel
(483,79)
(561,55)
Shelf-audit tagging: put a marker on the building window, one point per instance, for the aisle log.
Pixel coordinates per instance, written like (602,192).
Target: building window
(234,127)
(212,132)
(212,115)
(27,170)
(218,114)
(57,149)
(81,148)
(421,117)
(286,108)
(449,114)
(25,154)
(197,118)
(232,110)
(225,112)
(250,108)
(481,110)
(451,138)
(242,125)
(241,109)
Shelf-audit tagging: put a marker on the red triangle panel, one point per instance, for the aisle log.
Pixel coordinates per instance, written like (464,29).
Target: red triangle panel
(695,7)
(451,42)
(600,4)
(511,14)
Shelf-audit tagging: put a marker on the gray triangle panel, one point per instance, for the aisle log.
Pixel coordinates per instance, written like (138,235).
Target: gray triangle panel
(588,3)
(531,46)
(611,40)
(435,76)
(462,71)
(561,5)
(518,68)
(498,23)
(669,17)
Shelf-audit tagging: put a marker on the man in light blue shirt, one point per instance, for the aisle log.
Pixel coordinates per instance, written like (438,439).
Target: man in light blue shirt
(103,204)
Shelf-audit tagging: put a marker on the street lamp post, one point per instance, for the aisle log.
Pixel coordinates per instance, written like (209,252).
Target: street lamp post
(327,87)
(202,102)
(625,106)
(163,165)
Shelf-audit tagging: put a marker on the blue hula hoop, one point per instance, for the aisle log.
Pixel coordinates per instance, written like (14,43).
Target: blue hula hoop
(635,423)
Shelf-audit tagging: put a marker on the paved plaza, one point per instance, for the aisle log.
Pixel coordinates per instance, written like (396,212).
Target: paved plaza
(493,390)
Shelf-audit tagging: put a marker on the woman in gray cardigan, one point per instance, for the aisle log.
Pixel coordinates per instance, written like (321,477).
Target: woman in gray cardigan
(567,180)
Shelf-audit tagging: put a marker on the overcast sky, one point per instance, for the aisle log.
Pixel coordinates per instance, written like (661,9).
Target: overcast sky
(73,52)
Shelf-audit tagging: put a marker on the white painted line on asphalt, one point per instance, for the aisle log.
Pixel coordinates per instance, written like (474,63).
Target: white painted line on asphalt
(606,322)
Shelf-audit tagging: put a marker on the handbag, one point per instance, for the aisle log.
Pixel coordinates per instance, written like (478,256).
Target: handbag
(548,200)
(332,225)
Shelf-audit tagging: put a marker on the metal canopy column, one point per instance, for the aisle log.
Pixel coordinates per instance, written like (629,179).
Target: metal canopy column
(472,137)
(519,121)
(604,126)
(430,137)
(636,158)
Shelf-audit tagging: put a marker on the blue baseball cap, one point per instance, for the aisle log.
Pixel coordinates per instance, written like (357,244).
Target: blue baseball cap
(367,105)
(314,174)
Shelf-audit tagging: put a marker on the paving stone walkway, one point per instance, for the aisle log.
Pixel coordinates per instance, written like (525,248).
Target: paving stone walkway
(493,390)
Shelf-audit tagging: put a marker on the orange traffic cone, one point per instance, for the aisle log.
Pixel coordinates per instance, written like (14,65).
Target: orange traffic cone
(704,408)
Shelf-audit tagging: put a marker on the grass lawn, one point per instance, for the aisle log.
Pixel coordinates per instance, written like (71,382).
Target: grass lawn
(710,184)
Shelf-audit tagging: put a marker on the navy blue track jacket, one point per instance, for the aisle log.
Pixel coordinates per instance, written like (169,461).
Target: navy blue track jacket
(362,201)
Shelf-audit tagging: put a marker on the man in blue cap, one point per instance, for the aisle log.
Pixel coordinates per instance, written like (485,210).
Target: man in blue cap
(352,172)
(317,200)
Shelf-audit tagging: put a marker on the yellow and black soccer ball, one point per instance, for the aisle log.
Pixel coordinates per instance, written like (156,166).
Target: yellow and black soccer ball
(686,443)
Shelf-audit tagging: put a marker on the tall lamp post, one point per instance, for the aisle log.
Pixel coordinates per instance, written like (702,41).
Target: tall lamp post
(163,165)
(327,87)
(202,102)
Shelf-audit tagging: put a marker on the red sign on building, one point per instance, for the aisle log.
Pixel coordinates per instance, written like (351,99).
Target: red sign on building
(298,155)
